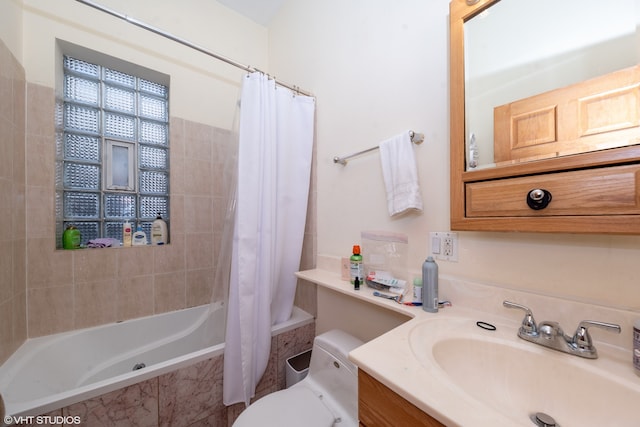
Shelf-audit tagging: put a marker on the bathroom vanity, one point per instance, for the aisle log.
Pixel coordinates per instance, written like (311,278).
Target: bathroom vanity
(445,369)
(378,405)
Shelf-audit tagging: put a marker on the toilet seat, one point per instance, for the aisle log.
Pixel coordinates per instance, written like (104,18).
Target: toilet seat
(292,407)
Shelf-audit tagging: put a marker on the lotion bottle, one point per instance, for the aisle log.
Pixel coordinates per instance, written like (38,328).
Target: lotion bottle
(159,231)
(430,285)
(126,234)
(139,237)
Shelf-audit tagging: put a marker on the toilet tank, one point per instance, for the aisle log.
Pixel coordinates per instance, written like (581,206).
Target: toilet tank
(331,372)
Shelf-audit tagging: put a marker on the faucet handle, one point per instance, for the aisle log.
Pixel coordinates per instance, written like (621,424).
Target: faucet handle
(528,327)
(582,339)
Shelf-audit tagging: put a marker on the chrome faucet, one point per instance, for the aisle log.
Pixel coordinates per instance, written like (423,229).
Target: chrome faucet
(550,334)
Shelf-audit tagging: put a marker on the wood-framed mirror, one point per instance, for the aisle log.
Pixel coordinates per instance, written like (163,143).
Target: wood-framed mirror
(592,190)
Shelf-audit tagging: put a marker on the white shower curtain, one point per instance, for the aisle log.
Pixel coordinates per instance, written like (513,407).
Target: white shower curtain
(274,165)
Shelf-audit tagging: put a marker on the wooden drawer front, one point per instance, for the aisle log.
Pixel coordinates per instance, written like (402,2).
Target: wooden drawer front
(603,191)
(379,406)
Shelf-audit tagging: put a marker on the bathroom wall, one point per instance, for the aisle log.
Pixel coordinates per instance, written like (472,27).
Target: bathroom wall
(44,290)
(11,26)
(13,330)
(203,89)
(377,69)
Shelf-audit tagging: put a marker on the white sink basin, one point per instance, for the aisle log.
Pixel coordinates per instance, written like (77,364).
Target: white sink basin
(518,378)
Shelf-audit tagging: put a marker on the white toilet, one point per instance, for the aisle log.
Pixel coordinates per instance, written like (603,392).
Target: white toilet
(328,395)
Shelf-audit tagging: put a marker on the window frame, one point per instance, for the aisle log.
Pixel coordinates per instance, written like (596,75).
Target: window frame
(108,163)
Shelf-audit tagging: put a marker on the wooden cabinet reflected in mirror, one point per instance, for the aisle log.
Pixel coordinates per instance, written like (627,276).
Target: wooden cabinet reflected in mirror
(579,143)
(597,114)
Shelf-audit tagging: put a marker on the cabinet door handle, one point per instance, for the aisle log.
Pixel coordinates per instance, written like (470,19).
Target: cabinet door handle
(538,198)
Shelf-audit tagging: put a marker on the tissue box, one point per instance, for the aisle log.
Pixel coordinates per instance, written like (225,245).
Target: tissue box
(385,251)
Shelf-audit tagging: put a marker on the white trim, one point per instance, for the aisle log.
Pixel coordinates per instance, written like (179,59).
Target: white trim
(130,165)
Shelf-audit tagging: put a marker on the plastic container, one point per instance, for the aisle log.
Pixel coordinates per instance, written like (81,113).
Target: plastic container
(159,235)
(297,368)
(139,237)
(430,285)
(355,265)
(71,238)
(384,251)
(636,346)
(417,289)
(127,232)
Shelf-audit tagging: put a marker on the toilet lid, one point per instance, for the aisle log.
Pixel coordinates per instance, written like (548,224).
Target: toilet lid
(293,407)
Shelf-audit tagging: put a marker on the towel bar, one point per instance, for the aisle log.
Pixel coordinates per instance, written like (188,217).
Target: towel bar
(416,138)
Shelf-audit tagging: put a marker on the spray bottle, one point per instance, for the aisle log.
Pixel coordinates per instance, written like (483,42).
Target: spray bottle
(356,267)
(430,285)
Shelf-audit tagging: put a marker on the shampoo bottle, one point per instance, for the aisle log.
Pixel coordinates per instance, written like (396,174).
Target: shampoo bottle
(356,265)
(139,237)
(430,285)
(159,231)
(126,234)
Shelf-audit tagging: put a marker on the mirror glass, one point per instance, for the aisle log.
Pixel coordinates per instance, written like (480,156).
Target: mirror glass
(516,49)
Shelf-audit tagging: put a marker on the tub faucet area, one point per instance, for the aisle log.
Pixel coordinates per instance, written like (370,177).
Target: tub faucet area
(550,334)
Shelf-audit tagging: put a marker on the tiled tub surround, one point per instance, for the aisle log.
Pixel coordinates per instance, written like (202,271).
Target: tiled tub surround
(69,290)
(13,310)
(184,390)
(52,291)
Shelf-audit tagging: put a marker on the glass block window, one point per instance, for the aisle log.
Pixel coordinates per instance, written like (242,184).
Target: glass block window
(112,151)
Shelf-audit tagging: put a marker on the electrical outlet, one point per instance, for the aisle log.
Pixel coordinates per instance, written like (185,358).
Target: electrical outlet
(444,245)
(447,246)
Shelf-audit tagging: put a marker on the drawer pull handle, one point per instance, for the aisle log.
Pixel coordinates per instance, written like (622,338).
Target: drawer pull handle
(538,198)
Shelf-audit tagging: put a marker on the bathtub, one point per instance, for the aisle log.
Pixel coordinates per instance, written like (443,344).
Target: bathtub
(54,371)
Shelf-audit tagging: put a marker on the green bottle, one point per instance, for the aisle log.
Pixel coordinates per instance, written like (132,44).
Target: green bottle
(356,267)
(71,238)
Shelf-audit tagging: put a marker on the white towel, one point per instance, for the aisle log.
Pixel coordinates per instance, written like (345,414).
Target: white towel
(400,174)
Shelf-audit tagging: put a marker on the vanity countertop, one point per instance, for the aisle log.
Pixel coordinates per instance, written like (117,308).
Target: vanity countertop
(391,360)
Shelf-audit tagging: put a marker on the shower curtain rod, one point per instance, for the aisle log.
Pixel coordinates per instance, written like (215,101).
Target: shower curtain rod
(184,42)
